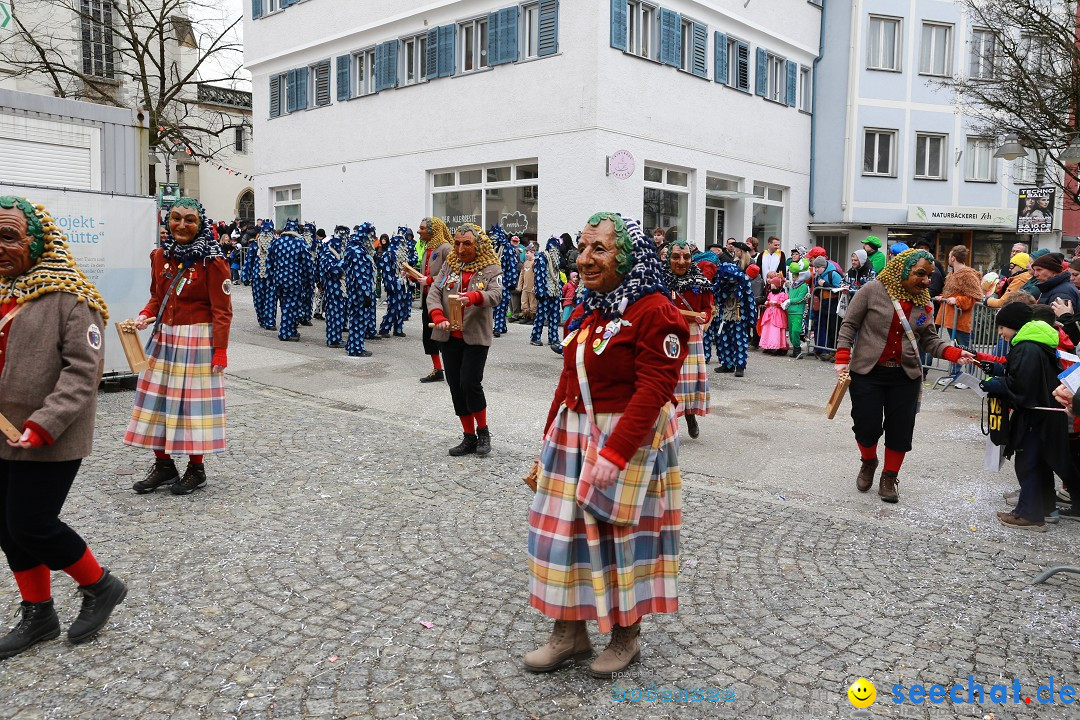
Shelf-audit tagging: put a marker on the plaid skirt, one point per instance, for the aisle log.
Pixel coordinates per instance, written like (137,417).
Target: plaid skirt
(692,391)
(179,402)
(581,568)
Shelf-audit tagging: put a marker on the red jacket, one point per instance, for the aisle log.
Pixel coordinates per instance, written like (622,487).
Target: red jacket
(699,302)
(635,375)
(204,298)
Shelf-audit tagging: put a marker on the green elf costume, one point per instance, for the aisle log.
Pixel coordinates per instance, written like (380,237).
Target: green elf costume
(876,257)
(796,310)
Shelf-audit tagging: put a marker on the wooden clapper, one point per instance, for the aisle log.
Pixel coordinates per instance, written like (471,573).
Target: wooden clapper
(132,345)
(837,396)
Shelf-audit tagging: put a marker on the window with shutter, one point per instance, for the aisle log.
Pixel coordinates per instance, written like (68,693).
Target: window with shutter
(447,38)
(256,9)
(386,65)
(792,83)
(290,91)
(720,57)
(502,36)
(320,83)
(548,40)
(275,95)
(494,36)
(699,58)
(619,24)
(670,37)
(344,77)
(301,88)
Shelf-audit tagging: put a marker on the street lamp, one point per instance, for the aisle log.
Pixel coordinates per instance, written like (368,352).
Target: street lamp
(1071,154)
(1011,149)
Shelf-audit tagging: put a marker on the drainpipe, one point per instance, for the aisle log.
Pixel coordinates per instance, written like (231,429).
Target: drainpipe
(813,102)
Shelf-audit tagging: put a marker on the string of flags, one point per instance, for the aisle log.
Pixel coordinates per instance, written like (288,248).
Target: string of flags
(177,144)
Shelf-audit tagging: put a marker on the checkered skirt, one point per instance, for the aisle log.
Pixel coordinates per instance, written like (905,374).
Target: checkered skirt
(692,391)
(179,402)
(584,569)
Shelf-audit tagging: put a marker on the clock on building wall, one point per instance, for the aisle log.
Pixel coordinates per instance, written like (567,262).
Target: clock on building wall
(621,164)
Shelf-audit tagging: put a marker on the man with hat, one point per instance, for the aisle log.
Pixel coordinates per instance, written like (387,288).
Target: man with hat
(1018,274)
(1053,281)
(874,256)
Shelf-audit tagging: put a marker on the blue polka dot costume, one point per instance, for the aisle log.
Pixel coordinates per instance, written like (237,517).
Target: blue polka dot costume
(736,309)
(290,264)
(548,292)
(508,259)
(397,294)
(335,293)
(309,307)
(360,284)
(407,254)
(256,274)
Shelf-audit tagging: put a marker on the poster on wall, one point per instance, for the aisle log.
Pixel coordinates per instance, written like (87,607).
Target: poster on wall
(111,237)
(1035,210)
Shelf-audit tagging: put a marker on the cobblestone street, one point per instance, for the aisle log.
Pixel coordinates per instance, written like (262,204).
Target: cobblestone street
(340,564)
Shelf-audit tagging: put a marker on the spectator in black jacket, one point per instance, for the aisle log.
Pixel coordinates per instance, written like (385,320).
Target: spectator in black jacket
(1053,282)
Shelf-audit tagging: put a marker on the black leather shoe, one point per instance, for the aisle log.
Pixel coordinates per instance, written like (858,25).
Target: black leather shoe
(692,426)
(399,334)
(483,441)
(739,372)
(194,477)
(537,343)
(467,446)
(723,369)
(336,345)
(162,472)
(497,334)
(99,600)
(305,323)
(37,624)
(433,376)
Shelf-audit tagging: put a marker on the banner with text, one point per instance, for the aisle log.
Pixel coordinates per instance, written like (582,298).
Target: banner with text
(950,215)
(1035,210)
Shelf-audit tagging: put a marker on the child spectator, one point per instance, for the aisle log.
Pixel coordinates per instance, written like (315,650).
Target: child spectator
(773,325)
(569,291)
(798,263)
(795,306)
(1038,438)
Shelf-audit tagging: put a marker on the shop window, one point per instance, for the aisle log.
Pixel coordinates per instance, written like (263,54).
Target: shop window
(666,201)
(488,196)
(286,204)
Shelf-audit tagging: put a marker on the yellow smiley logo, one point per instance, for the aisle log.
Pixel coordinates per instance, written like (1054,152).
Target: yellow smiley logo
(862,693)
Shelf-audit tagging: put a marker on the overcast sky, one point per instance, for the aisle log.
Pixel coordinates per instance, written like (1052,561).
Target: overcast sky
(234,8)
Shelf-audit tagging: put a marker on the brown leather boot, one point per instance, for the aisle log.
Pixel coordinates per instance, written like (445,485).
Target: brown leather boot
(865,480)
(624,648)
(568,641)
(889,487)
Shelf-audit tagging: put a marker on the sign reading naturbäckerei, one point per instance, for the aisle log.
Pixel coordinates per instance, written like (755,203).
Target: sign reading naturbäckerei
(1035,210)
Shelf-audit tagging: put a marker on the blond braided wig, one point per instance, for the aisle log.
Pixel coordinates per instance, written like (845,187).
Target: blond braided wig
(440,234)
(54,269)
(485,252)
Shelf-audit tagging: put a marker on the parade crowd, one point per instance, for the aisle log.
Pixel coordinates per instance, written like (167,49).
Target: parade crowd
(636,318)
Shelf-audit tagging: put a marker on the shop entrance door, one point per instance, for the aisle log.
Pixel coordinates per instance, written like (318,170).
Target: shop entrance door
(714,222)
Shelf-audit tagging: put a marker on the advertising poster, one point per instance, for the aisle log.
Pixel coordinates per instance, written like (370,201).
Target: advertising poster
(111,237)
(1035,210)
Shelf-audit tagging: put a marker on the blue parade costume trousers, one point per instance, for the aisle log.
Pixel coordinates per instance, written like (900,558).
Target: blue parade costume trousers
(262,294)
(547,313)
(292,309)
(396,310)
(500,313)
(334,308)
(358,325)
(731,345)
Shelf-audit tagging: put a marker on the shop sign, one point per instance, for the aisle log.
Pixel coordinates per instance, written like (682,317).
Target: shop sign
(515,223)
(621,164)
(1035,210)
(949,215)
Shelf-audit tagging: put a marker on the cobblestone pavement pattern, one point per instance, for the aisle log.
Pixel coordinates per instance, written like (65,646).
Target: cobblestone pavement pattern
(340,564)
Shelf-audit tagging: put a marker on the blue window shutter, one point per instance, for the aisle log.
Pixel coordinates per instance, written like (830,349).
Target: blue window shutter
(392,47)
(720,58)
(792,82)
(432,51)
(670,37)
(494,34)
(447,47)
(290,91)
(742,67)
(301,88)
(548,41)
(508,34)
(620,24)
(287,3)
(699,58)
(275,96)
(344,77)
(256,9)
(380,67)
(762,77)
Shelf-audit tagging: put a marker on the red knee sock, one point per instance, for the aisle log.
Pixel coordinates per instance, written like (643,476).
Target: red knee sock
(34,584)
(86,570)
(481,419)
(161,455)
(467,424)
(893,460)
(868,453)
(436,361)
(197,459)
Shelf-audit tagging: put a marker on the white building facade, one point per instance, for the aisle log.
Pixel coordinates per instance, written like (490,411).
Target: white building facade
(693,116)
(893,155)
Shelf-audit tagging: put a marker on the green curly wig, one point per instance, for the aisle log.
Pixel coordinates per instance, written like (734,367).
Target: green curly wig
(33,224)
(625,245)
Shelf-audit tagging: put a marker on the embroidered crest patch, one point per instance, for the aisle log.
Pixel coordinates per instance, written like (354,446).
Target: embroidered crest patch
(672,346)
(93,336)
(226,287)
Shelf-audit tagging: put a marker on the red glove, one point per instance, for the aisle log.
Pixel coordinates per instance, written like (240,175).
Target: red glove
(475,298)
(38,436)
(437,315)
(843,356)
(951,353)
(220,358)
